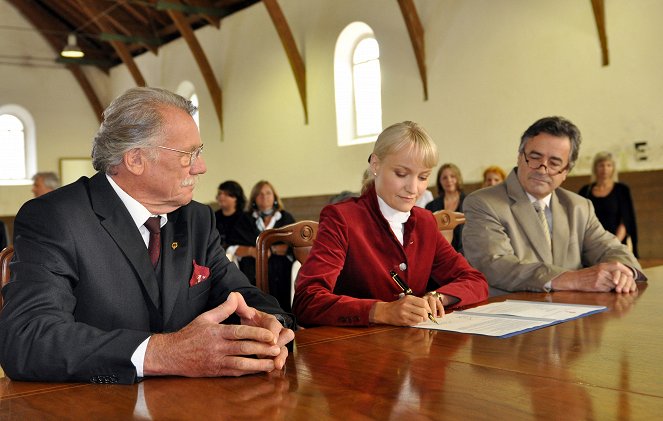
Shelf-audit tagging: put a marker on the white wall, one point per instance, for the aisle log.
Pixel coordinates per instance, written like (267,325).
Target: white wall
(494,67)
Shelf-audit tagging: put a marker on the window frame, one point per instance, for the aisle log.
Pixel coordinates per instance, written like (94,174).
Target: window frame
(346,115)
(30,144)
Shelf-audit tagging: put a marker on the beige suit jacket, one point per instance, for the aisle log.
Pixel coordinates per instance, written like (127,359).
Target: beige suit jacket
(503,238)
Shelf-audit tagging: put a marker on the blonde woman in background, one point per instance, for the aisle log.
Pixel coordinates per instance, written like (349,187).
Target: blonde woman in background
(450,197)
(612,200)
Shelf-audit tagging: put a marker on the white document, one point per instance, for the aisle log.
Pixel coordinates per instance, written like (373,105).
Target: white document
(510,317)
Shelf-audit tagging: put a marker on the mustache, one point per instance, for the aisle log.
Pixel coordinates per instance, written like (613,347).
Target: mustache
(189,181)
(538,177)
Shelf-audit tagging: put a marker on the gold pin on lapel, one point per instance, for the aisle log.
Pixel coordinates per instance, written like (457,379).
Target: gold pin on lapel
(173,245)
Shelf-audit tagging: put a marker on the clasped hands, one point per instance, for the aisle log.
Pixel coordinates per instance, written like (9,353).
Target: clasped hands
(603,277)
(408,310)
(205,348)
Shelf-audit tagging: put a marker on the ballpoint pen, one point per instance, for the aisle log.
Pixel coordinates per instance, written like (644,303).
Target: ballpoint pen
(407,291)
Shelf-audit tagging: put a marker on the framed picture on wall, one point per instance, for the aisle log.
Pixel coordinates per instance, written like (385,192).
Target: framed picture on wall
(71,169)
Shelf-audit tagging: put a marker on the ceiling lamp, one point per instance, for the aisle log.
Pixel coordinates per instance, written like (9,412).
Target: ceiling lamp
(72,50)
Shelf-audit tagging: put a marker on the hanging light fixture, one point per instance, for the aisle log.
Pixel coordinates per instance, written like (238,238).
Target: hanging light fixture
(72,50)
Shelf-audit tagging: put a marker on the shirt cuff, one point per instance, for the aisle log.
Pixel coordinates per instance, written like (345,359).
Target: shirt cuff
(138,357)
(547,287)
(285,319)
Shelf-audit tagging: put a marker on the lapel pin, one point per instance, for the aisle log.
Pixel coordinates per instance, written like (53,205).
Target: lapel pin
(173,245)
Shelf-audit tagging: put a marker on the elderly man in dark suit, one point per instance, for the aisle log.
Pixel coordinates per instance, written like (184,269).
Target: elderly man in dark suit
(96,295)
(528,234)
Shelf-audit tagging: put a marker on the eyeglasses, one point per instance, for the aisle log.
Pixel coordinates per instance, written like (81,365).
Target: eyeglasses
(192,156)
(552,165)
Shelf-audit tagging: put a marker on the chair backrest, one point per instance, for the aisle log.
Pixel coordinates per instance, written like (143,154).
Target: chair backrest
(447,221)
(5,257)
(299,236)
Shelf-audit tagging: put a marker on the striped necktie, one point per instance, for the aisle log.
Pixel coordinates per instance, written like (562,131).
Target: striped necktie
(543,221)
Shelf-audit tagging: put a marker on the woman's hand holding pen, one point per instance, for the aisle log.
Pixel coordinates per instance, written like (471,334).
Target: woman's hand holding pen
(435,302)
(407,311)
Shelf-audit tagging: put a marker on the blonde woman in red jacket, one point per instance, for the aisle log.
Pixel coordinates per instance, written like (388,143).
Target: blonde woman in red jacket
(348,278)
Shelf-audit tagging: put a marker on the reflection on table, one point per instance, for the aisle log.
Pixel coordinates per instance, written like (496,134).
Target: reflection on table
(604,366)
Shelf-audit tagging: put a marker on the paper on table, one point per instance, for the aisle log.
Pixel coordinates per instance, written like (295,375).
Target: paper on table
(510,317)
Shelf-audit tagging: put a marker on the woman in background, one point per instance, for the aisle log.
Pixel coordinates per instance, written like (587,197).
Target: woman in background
(493,175)
(364,243)
(267,212)
(450,197)
(612,200)
(231,216)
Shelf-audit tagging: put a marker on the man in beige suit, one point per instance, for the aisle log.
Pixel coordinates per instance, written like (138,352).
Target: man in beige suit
(527,234)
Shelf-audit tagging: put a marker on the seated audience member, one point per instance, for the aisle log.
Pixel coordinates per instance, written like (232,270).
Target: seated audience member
(450,197)
(268,213)
(425,198)
(493,175)
(4,237)
(363,243)
(612,200)
(44,182)
(230,216)
(94,297)
(528,234)
(345,194)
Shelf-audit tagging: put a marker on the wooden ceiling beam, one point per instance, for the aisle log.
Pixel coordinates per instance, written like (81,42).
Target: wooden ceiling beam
(88,90)
(200,57)
(598,6)
(207,4)
(295,59)
(416,32)
(43,20)
(122,51)
(125,26)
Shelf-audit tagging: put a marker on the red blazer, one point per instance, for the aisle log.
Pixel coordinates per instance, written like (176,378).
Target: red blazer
(348,268)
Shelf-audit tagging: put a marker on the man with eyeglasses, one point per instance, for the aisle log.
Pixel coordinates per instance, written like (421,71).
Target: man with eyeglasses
(122,276)
(527,234)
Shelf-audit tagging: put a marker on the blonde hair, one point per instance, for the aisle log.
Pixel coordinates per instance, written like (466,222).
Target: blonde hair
(601,157)
(398,137)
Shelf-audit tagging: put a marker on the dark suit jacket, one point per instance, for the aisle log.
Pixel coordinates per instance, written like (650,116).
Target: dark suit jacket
(82,289)
(348,268)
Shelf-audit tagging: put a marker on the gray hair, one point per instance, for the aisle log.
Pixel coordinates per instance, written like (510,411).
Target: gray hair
(133,120)
(558,127)
(50,179)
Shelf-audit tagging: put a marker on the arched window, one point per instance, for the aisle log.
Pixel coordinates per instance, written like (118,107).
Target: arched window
(17,145)
(357,84)
(188,91)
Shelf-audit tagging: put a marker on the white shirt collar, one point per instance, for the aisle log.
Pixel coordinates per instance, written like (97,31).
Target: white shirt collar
(391,214)
(138,212)
(545,200)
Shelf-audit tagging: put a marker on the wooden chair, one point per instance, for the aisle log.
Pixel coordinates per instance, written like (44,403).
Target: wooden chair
(299,236)
(447,221)
(5,257)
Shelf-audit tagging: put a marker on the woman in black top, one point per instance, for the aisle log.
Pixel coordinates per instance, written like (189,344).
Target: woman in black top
(230,216)
(450,197)
(612,200)
(267,212)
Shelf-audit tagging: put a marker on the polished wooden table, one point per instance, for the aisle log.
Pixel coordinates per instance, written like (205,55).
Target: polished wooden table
(605,366)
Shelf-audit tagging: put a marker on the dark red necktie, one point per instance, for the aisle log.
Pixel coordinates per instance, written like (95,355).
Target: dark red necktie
(153,225)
